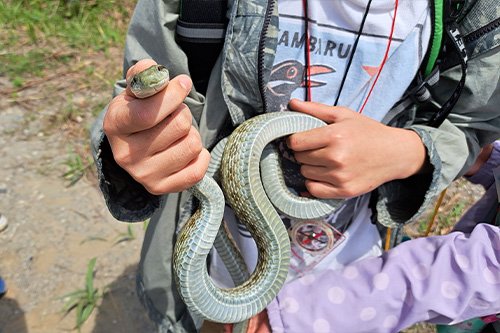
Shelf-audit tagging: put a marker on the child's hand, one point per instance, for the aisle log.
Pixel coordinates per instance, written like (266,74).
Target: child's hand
(483,156)
(153,138)
(257,324)
(353,154)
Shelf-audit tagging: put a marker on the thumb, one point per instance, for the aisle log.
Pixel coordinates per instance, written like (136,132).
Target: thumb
(327,113)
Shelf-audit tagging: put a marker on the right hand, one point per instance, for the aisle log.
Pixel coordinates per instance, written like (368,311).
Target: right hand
(153,139)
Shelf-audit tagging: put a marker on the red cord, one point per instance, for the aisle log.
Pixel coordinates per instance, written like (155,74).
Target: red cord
(385,56)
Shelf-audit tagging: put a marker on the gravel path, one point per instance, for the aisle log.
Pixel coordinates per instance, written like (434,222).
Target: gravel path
(54,230)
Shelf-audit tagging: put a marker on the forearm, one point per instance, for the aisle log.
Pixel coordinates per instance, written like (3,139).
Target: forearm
(453,147)
(147,38)
(442,279)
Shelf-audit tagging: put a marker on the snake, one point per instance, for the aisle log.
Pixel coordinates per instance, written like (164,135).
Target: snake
(245,155)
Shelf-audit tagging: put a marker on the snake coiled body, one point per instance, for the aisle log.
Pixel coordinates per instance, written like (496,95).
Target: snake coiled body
(243,189)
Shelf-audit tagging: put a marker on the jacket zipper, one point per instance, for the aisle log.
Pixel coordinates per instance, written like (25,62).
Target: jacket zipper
(470,37)
(262,45)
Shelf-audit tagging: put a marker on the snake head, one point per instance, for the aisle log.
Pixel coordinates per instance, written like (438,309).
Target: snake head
(149,81)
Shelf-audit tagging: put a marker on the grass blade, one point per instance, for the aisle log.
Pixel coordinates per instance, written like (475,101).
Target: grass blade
(89,278)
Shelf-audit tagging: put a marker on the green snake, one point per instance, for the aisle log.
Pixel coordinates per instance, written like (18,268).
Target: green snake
(242,188)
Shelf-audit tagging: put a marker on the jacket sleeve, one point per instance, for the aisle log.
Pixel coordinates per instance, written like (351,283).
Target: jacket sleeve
(453,147)
(441,279)
(151,35)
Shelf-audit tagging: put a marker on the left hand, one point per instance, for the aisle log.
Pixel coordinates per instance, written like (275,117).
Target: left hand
(353,154)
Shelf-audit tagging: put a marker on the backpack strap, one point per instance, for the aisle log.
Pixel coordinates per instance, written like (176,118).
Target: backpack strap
(446,44)
(200,32)
(478,17)
(436,38)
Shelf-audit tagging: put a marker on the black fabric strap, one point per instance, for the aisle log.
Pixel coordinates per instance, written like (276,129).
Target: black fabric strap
(203,11)
(200,33)
(452,53)
(455,44)
(360,32)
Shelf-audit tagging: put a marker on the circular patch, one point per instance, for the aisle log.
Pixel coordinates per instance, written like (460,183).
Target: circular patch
(313,236)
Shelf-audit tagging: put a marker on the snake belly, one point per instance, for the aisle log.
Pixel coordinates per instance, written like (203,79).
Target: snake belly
(243,189)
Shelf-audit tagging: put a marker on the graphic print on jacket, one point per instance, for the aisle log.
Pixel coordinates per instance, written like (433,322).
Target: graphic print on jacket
(288,76)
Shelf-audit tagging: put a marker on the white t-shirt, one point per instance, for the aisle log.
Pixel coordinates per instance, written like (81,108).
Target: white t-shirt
(333,29)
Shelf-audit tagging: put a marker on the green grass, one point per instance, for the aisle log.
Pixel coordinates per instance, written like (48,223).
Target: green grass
(32,62)
(125,236)
(444,220)
(78,23)
(76,167)
(83,301)
(37,35)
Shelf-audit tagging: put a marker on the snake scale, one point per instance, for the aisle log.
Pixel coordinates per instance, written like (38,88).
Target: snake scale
(240,174)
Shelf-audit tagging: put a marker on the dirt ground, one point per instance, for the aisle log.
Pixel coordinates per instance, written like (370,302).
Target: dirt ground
(55,229)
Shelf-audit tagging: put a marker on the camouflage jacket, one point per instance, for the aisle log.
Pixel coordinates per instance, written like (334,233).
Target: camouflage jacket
(235,93)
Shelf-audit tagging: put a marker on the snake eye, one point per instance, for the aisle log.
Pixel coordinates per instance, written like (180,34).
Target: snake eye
(160,68)
(134,81)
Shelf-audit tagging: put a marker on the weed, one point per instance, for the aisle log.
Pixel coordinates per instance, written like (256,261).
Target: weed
(93,239)
(448,220)
(420,328)
(97,109)
(17,82)
(77,167)
(18,65)
(126,236)
(422,226)
(445,220)
(71,112)
(83,301)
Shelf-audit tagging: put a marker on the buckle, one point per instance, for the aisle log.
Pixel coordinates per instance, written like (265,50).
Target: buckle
(426,84)
(453,10)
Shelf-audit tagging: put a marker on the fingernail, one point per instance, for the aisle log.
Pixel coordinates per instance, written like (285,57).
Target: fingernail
(185,82)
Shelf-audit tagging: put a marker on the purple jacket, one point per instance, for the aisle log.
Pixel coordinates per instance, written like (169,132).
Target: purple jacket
(441,279)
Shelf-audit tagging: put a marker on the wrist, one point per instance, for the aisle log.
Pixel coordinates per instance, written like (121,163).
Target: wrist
(411,154)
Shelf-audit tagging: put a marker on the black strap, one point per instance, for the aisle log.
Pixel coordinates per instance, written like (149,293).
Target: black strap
(349,62)
(452,53)
(200,33)
(455,43)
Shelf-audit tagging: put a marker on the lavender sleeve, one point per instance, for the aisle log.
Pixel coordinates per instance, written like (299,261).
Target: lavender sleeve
(440,279)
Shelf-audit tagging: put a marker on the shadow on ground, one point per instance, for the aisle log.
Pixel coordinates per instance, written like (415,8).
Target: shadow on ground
(11,316)
(118,310)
